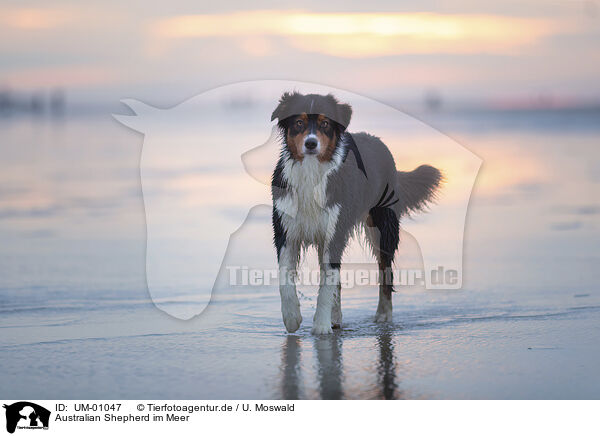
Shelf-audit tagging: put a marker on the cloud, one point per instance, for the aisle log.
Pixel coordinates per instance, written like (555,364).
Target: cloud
(567,225)
(35,18)
(587,210)
(64,75)
(356,35)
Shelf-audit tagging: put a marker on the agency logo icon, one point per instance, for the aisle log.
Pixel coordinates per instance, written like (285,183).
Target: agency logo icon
(26,415)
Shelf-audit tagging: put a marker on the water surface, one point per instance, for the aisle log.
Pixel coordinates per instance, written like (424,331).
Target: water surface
(77,320)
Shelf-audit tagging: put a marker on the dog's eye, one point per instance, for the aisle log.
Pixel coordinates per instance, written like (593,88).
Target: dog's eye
(299,123)
(324,124)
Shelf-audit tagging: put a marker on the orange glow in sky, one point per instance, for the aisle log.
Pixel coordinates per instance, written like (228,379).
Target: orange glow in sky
(367,34)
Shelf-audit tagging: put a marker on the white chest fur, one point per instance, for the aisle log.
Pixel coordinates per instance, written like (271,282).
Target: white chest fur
(304,214)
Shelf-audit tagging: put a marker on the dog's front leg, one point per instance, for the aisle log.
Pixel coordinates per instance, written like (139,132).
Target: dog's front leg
(336,309)
(330,282)
(290,306)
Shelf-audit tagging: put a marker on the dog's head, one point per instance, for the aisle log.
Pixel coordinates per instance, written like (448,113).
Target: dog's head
(312,124)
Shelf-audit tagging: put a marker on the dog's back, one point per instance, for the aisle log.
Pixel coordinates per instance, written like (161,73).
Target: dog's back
(380,184)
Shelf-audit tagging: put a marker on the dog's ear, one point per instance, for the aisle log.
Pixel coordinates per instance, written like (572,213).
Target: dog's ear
(281,108)
(344,114)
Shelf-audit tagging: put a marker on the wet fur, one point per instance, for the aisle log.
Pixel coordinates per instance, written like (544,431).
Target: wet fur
(315,146)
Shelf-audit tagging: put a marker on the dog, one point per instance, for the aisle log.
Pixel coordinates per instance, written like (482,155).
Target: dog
(327,184)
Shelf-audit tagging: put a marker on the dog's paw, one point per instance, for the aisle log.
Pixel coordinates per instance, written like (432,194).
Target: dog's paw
(292,318)
(322,329)
(336,318)
(383,316)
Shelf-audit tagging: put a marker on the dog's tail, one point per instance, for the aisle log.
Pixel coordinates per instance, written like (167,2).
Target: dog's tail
(417,188)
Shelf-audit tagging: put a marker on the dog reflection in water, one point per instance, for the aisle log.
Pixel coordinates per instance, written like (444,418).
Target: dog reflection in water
(330,370)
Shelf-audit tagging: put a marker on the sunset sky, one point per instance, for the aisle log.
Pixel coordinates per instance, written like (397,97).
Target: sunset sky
(497,53)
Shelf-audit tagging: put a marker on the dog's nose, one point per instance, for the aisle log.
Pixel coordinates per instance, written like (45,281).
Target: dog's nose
(310,144)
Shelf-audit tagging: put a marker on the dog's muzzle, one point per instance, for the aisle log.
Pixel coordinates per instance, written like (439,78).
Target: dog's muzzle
(311,145)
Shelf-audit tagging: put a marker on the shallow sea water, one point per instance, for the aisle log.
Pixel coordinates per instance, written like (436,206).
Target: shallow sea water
(76,319)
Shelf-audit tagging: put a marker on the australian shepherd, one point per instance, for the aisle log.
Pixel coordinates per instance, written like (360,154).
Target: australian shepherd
(327,184)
